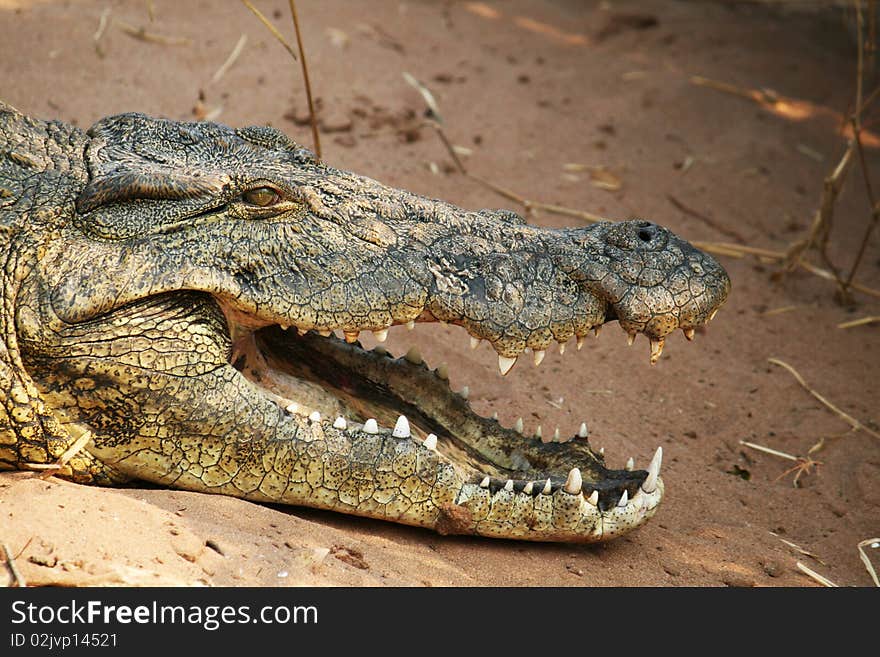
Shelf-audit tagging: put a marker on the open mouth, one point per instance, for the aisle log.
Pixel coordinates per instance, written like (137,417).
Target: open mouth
(360,392)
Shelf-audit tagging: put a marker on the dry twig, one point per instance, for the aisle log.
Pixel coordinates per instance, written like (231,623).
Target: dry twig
(313,119)
(233,56)
(13,569)
(272,28)
(854,423)
(874,543)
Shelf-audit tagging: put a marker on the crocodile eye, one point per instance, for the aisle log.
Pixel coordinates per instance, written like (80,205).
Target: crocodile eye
(262,197)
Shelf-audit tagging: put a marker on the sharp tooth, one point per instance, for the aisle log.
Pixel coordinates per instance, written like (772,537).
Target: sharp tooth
(301,331)
(650,483)
(574,481)
(527,489)
(594,498)
(325,333)
(315,416)
(623,499)
(411,324)
(712,316)
(596,330)
(508,486)
(430,442)
(505,363)
(371,426)
(292,408)
(485,482)
(401,429)
(380,349)
(539,433)
(556,435)
(582,432)
(465,392)
(495,416)
(630,338)
(351,336)
(601,451)
(414,356)
(561,348)
(656,350)
(442,372)
(518,426)
(547,488)
(688,333)
(538,356)
(580,342)
(339,423)
(382,335)
(630,464)
(284,327)
(475,342)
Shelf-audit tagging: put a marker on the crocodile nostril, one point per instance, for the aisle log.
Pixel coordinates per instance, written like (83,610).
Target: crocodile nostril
(647,234)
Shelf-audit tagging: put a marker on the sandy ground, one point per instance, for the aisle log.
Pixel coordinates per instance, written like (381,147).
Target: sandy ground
(530,89)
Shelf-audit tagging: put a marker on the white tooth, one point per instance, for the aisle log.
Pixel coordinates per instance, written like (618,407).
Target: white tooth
(443,372)
(505,363)
(495,416)
(712,316)
(325,332)
(465,392)
(574,481)
(580,342)
(656,350)
(414,356)
(556,435)
(382,335)
(630,464)
(650,483)
(630,338)
(594,498)
(623,499)
(561,348)
(292,408)
(546,490)
(485,482)
(528,488)
(602,451)
(538,356)
(351,336)
(430,442)
(380,349)
(509,486)
(519,425)
(401,429)
(596,330)
(301,331)
(339,423)
(284,327)
(688,333)
(411,324)
(539,433)
(315,416)
(371,426)
(475,342)
(582,432)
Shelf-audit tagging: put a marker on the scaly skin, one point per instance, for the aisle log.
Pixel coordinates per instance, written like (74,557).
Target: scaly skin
(168,295)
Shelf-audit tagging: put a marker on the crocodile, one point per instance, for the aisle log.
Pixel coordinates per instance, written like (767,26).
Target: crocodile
(182,305)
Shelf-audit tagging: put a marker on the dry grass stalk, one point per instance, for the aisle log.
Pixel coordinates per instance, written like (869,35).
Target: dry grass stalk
(17,577)
(798,548)
(803,464)
(102,27)
(53,468)
(233,56)
(874,543)
(271,28)
(141,34)
(706,220)
(854,423)
(824,581)
(871,319)
(313,118)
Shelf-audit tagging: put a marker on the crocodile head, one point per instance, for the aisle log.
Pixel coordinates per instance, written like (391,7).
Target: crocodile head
(187,315)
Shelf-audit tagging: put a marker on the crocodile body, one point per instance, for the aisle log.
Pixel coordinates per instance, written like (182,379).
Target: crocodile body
(171,296)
